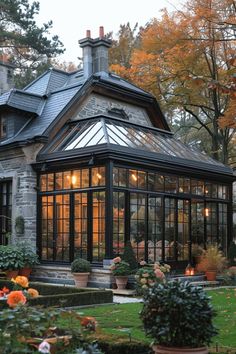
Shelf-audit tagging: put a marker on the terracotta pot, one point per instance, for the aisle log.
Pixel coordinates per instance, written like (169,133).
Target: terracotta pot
(12,273)
(161,349)
(211,275)
(121,282)
(81,279)
(26,271)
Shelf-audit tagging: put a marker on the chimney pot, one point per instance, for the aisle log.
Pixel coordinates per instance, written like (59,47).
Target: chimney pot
(88,33)
(101,31)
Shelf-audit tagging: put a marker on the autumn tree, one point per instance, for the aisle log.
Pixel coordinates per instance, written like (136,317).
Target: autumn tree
(123,46)
(27,45)
(187,60)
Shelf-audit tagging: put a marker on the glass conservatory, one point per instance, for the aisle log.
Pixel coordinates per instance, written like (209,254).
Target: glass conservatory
(104,181)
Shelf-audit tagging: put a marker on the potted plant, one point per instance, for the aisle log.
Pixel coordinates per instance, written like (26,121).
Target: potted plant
(212,262)
(178,316)
(30,259)
(197,252)
(11,260)
(121,271)
(80,269)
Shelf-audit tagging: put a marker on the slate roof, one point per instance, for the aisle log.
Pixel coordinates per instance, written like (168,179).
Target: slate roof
(48,95)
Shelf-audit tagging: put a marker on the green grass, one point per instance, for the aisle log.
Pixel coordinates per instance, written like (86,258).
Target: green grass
(123,319)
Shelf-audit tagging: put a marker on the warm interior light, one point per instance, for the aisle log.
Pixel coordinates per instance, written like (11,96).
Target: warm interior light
(99,176)
(189,270)
(206,212)
(134,177)
(73,180)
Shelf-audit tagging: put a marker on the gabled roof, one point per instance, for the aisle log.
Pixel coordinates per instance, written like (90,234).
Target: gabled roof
(23,101)
(50,95)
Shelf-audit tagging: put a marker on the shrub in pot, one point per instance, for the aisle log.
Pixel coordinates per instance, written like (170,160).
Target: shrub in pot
(212,262)
(178,316)
(11,260)
(30,259)
(121,271)
(80,269)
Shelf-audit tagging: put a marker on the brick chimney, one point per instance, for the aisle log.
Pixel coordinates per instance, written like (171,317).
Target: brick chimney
(6,74)
(95,53)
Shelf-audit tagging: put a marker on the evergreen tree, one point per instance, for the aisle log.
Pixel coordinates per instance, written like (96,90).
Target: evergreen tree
(129,256)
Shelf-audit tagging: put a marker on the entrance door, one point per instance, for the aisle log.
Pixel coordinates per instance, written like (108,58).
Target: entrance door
(146,226)
(177,229)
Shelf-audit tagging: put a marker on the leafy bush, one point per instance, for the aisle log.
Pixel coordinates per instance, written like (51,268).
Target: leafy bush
(178,314)
(232,254)
(11,258)
(120,268)
(30,258)
(80,265)
(129,256)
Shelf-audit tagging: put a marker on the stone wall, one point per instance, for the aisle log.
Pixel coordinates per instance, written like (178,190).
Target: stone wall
(96,104)
(17,168)
(99,277)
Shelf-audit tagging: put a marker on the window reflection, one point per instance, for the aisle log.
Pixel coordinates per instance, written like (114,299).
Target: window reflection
(98,176)
(98,246)
(118,222)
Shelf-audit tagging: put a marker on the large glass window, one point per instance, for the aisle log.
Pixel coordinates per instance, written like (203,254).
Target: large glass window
(155,232)
(197,219)
(47,228)
(80,225)
(118,222)
(98,234)
(62,228)
(138,223)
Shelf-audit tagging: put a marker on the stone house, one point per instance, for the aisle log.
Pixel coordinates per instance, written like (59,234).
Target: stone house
(89,162)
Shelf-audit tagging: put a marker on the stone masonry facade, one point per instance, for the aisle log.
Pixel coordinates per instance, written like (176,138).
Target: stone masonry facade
(96,104)
(17,168)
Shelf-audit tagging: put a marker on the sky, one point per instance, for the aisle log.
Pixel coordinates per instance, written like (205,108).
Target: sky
(71,18)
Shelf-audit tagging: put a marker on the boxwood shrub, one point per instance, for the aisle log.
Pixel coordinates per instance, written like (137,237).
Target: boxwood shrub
(63,296)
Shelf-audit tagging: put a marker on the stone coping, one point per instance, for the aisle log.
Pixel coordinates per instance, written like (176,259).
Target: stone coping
(67,268)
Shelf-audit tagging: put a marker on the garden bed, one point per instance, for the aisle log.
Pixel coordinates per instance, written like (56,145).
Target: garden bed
(63,296)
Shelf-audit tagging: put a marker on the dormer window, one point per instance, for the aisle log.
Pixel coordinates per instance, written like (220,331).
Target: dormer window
(3,127)
(118,113)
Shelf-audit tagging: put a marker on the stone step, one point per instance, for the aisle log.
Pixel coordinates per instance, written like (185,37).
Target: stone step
(124,292)
(206,283)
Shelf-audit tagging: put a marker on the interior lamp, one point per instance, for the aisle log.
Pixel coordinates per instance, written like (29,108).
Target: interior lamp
(189,270)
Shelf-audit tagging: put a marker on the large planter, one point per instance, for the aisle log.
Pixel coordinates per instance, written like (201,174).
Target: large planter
(81,279)
(211,275)
(160,349)
(26,271)
(121,282)
(12,273)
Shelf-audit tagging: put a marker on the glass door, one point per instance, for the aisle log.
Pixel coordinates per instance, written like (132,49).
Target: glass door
(177,229)
(155,229)
(81,225)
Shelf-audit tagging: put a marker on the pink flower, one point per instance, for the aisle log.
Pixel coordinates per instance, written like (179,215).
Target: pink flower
(145,275)
(44,347)
(113,267)
(159,273)
(116,260)
(143,263)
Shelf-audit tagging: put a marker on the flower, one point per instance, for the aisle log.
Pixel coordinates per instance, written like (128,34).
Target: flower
(119,267)
(44,347)
(21,280)
(148,275)
(16,298)
(33,292)
(159,273)
(89,323)
(5,290)
(142,263)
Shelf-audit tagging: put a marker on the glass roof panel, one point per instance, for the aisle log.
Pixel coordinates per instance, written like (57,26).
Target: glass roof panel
(104,130)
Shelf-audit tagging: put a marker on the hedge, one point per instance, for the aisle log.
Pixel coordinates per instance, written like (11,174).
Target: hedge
(124,348)
(63,296)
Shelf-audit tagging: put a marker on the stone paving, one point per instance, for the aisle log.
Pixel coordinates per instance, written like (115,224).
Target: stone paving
(126,299)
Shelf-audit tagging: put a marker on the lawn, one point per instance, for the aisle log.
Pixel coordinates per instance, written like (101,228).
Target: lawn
(123,319)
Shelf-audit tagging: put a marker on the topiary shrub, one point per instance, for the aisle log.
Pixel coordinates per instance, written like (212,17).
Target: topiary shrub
(80,265)
(129,256)
(177,314)
(232,254)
